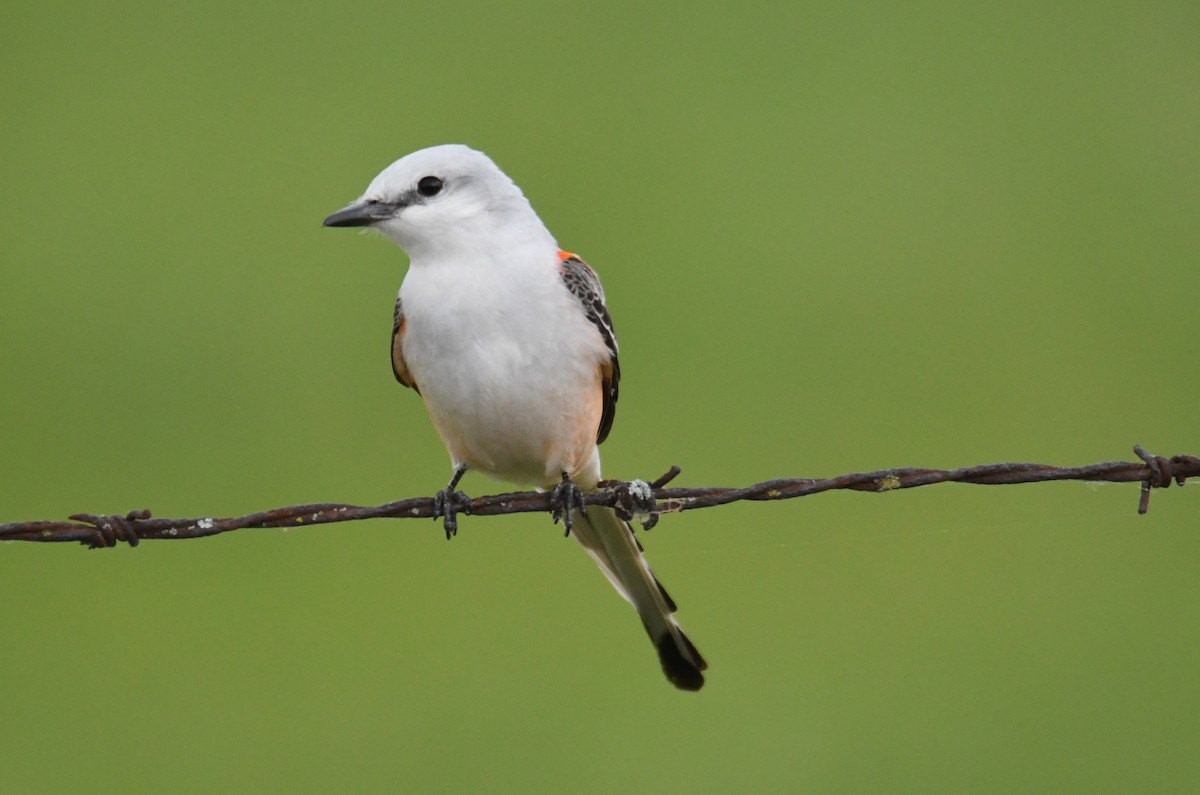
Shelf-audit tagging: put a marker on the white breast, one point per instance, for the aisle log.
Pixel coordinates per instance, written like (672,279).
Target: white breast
(508,365)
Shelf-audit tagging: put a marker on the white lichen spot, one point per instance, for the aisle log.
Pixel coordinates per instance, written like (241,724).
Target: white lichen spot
(640,489)
(173,531)
(205,524)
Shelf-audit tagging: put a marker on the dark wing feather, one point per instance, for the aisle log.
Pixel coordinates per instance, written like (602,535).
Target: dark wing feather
(399,366)
(585,286)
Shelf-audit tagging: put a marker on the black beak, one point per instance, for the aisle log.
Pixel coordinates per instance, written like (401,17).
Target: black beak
(362,213)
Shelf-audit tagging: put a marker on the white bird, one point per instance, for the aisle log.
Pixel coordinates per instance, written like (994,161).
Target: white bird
(508,341)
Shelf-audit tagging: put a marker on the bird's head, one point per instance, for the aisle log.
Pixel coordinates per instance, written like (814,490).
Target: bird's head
(443,199)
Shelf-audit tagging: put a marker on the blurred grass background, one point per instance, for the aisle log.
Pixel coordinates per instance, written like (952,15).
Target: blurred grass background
(834,237)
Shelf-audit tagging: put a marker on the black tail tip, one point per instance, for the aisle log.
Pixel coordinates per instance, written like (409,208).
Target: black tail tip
(683,670)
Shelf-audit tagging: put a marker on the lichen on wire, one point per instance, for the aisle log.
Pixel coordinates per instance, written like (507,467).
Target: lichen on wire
(635,499)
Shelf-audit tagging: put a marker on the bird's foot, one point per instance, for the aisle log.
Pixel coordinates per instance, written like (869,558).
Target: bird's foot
(565,499)
(448,503)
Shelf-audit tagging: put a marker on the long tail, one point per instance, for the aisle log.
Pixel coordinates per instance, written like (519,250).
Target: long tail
(611,543)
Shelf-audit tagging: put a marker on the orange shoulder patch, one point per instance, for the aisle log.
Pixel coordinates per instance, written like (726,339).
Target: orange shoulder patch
(563,256)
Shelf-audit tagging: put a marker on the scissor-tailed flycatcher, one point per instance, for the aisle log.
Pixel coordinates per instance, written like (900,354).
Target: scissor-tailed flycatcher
(508,341)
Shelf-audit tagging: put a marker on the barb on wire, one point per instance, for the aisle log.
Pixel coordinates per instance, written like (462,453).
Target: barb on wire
(633,500)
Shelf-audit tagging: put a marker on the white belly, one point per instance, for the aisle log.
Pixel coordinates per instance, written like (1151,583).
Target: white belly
(509,369)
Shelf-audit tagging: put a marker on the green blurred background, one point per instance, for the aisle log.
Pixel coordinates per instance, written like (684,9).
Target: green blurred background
(834,237)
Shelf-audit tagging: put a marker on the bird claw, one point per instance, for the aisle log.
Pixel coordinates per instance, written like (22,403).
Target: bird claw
(447,504)
(565,498)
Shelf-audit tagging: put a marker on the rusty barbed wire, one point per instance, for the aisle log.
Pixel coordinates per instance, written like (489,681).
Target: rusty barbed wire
(634,500)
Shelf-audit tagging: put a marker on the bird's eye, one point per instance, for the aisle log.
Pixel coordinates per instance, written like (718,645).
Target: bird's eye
(429,186)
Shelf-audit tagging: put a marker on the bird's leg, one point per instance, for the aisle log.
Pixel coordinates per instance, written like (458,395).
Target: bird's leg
(448,503)
(565,498)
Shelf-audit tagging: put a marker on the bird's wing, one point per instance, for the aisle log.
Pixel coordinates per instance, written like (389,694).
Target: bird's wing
(585,286)
(399,366)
